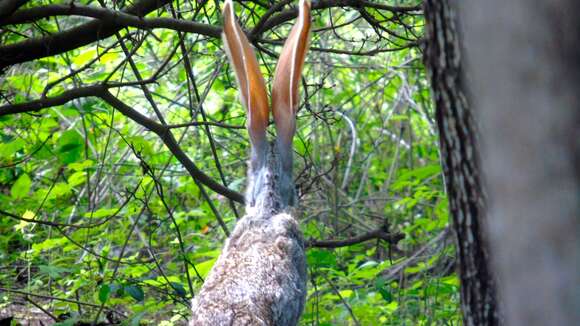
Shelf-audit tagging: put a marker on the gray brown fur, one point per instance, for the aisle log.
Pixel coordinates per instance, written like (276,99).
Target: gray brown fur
(260,277)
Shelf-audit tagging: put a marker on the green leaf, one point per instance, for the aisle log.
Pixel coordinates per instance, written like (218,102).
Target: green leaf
(392,307)
(117,289)
(103,212)
(53,271)
(84,57)
(141,145)
(179,289)
(69,146)
(321,258)
(386,294)
(135,292)
(204,267)
(80,166)
(421,173)
(8,149)
(104,293)
(21,187)
(450,280)
(380,286)
(76,179)
(48,244)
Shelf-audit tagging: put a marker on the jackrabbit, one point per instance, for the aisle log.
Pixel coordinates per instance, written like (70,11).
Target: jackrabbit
(260,277)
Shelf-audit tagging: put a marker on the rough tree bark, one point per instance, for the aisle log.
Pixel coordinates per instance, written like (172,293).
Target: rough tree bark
(460,159)
(524,70)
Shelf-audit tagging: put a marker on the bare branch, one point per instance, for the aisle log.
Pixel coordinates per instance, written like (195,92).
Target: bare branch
(379,233)
(71,39)
(47,102)
(110,17)
(108,22)
(290,14)
(7,7)
(167,137)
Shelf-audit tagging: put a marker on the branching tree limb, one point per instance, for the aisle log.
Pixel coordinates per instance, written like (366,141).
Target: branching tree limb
(378,233)
(61,42)
(287,15)
(110,18)
(164,132)
(107,22)
(7,7)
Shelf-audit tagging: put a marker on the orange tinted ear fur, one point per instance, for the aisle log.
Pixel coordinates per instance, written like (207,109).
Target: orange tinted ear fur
(285,95)
(250,79)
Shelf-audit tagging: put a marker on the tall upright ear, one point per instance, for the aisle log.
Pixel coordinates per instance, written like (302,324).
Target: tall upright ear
(285,94)
(250,80)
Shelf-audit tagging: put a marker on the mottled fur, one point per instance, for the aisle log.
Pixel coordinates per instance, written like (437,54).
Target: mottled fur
(260,277)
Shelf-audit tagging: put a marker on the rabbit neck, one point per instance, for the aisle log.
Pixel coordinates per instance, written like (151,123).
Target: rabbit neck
(270,187)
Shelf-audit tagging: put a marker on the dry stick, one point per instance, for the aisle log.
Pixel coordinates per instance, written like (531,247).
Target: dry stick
(74,72)
(200,100)
(378,26)
(277,7)
(166,136)
(123,63)
(154,77)
(353,144)
(92,252)
(137,74)
(159,189)
(202,190)
(334,27)
(372,52)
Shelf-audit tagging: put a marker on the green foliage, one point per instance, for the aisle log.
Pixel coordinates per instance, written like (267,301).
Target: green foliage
(69,146)
(21,186)
(124,226)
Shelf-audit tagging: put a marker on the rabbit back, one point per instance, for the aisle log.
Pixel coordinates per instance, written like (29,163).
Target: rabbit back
(260,277)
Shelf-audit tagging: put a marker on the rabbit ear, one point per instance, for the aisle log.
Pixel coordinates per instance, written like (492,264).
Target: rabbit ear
(250,80)
(287,78)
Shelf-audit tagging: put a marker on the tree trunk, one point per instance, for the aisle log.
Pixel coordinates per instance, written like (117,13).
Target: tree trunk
(524,75)
(460,159)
